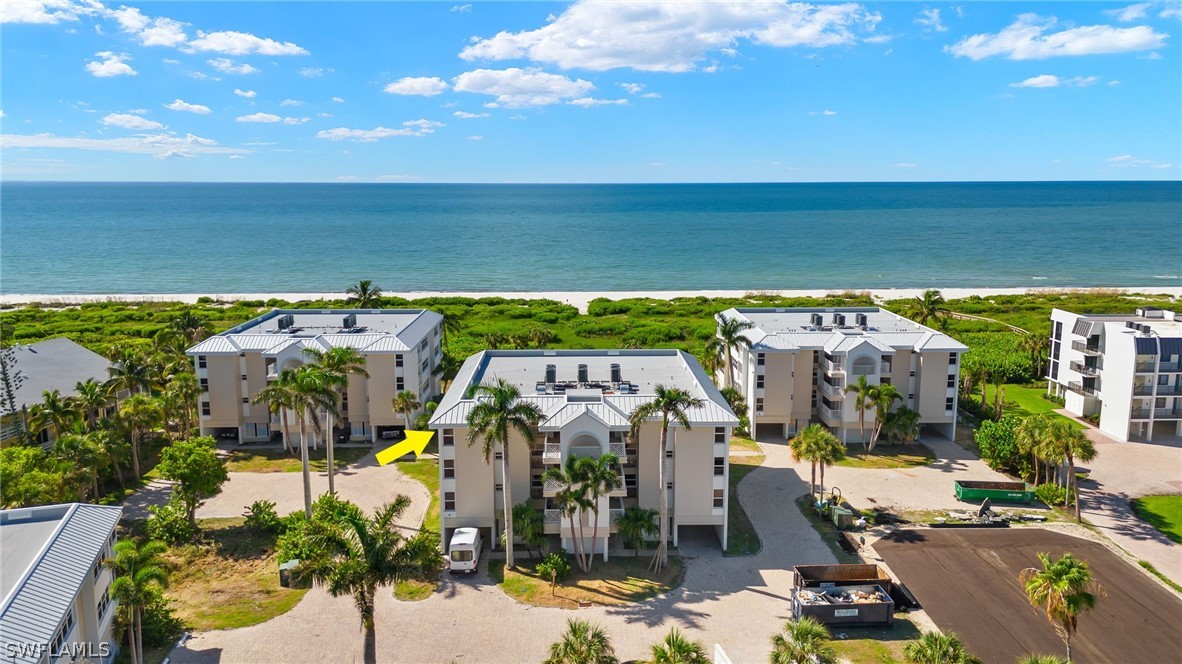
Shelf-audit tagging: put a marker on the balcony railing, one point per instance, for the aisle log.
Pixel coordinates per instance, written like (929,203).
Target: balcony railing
(1140,413)
(1146,390)
(1165,390)
(1086,348)
(1169,366)
(553,517)
(1146,367)
(884,367)
(832,367)
(835,391)
(619,450)
(1084,369)
(1080,388)
(831,413)
(551,487)
(552,453)
(615,514)
(1167,413)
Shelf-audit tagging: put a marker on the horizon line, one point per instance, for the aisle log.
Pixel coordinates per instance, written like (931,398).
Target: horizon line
(4,181)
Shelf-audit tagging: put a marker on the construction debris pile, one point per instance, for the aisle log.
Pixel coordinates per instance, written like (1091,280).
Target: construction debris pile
(841,596)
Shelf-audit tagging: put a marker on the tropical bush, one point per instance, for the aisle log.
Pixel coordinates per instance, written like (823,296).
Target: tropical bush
(998,445)
(1051,494)
(261,517)
(170,524)
(555,566)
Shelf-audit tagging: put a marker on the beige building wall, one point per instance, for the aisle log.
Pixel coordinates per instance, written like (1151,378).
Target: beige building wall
(778,387)
(381,390)
(931,387)
(225,391)
(359,404)
(693,462)
(256,380)
(802,386)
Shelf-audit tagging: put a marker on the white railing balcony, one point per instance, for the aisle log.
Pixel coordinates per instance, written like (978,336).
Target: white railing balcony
(552,453)
(551,487)
(553,518)
(832,367)
(615,514)
(619,451)
(830,413)
(884,367)
(835,391)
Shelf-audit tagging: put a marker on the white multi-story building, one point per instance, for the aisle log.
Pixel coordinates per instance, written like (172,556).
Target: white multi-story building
(801,360)
(402,350)
(587,398)
(1126,368)
(57,601)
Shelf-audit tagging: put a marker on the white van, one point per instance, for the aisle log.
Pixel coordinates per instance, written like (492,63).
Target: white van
(464,550)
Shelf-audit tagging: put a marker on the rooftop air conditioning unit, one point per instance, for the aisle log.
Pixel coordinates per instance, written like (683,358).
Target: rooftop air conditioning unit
(583,374)
(860,320)
(838,320)
(616,373)
(816,320)
(286,321)
(551,374)
(1131,325)
(350,322)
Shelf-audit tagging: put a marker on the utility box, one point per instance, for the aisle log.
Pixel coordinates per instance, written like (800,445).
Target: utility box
(843,519)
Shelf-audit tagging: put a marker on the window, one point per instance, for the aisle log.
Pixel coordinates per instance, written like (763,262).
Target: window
(98,566)
(104,603)
(864,366)
(500,487)
(243,376)
(462,555)
(668,454)
(423,345)
(912,374)
(449,437)
(949,404)
(246,400)
(398,360)
(720,434)
(204,383)
(951,359)
(425,365)
(205,408)
(719,465)
(718,498)
(499,455)
(438,331)
(951,380)
(885,380)
(399,384)
(200,361)
(1058,329)
(1159,402)
(449,468)
(759,404)
(759,359)
(759,382)
(668,485)
(59,640)
(449,501)
(911,397)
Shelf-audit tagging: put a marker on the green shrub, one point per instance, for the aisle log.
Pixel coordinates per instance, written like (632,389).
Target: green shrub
(161,625)
(1054,398)
(998,445)
(1051,494)
(261,517)
(170,523)
(555,567)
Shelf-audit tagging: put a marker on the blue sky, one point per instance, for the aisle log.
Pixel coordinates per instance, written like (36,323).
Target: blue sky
(590,91)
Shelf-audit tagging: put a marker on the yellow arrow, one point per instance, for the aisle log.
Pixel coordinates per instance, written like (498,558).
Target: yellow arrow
(416,441)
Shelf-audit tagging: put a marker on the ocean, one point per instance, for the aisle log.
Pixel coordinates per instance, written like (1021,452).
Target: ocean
(58,238)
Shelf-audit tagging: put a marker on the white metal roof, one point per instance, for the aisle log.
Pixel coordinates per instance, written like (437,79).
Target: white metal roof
(36,602)
(375,331)
(791,329)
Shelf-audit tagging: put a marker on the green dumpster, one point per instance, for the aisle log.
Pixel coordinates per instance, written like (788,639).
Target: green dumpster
(998,492)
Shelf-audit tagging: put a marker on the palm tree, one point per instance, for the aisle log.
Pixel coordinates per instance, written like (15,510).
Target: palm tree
(141,414)
(450,326)
(804,447)
(1034,344)
(583,643)
(928,307)
(364,294)
(1031,435)
(803,641)
(731,338)
(312,390)
(279,395)
(571,497)
(54,412)
(498,411)
(406,403)
(676,649)
(91,398)
(183,390)
(1070,444)
(80,449)
(1064,588)
(637,525)
(527,525)
(711,358)
(863,394)
(672,404)
(902,425)
(829,450)
(189,326)
(980,376)
(130,371)
(937,648)
(139,577)
(355,555)
(108,440)
(882,397)
(601,478)
(337,363)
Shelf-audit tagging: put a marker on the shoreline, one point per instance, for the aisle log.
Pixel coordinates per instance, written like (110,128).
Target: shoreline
(578,299)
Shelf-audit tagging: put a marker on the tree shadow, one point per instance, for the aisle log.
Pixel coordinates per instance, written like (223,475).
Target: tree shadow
(184,654)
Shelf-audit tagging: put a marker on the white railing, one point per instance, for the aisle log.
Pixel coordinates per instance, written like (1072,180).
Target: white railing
(552,453)
(553,517)
(831,413)
(884,367)
(618,450)
(832,390)
(832,367)
(615,514)
(552,486)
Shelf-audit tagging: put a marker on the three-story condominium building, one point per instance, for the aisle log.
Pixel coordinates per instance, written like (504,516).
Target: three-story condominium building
(587,398)
(801,360)
(57,604)
(1126,368)
(402,350)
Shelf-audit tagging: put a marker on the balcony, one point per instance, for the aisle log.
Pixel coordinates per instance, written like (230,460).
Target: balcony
(552,452)
(1167,413)
(553,518)
(1147,390)
(833,391)
(1145,367)
(551,487)
(1080,388)
(1166,390)
(1140,413)
(615,514)
(1170,367)
(1080,367)
(619,450)
(884,367)
(830,413)
(832,367)
(1086,348)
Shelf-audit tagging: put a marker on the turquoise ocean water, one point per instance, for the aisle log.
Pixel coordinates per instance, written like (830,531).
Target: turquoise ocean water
(232,238)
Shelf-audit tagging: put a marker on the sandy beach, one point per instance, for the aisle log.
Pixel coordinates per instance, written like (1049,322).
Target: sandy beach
(579,299)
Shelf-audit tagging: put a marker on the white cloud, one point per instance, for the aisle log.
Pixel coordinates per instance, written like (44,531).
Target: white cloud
(138,111)
(632,88)
(651,95)
(324,115)
(422,86)
(878,39)
(1171,10)
(347,178)
(180,105)
(111,64)
(315,72)
(1114,82)
(1052,81)
(227,66)
(129,121)
(1027,38)
(656,164)
(467,115)
(249,94)
(905,164)
(462,9)
(475,138)
(149,31)
(158,145)
(1,112)
(237,156)
(825,112)
(518,117)
(587,102)
(930,20)
(1129,161)
(1131,13)
(44,11)
(420,127)
(291,102)
(259,117)
(515,87)
(337,100)
(295,121)
(670,35)
(241,43)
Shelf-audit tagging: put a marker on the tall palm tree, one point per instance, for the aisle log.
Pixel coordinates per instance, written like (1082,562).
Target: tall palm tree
(499,410)
(711,358)
(355,555)
(583,643)
(601,478)
(528,526)
(189,326)
(80,449)
(364,294)
(450,326)
(337,363)
(804,447)
(406,403)
(979,374)
(54,412)
(1070,444)
(928,307)
(676,649)
(141,414)
(131,371)
(902,425)
(312,390)
(882,397)
(183,390)
(730,334)
(1064,588)
(937,648)
(139,577)
(863,399)
(1031,435)
(279,395)
(803,641)
(571,498)
(637,525)
(828,450)
(91,398)
(107,439)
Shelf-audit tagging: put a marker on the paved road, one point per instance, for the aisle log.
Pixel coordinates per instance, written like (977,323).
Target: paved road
(738,602)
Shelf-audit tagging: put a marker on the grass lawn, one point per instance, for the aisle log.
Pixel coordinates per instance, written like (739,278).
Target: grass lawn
(279,461)
(742,540)
(414,590)
(229,579)
(1024,401)
(826,530)
(1163,513)
(426,471)
(881,645)
(885,455)
(621,580)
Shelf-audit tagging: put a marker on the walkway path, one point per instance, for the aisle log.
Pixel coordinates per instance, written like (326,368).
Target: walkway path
(738,602)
